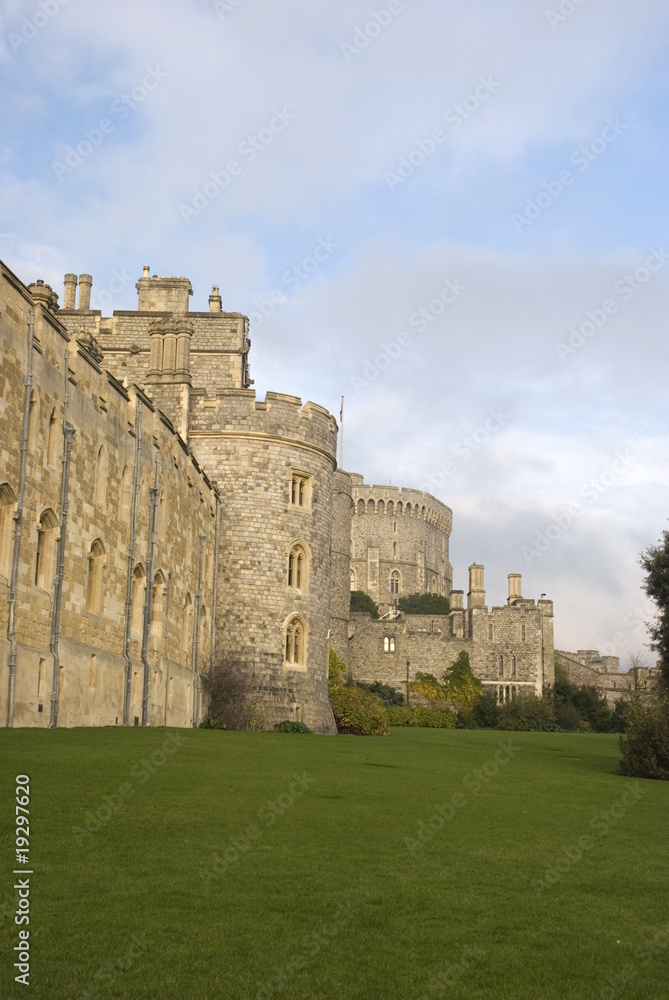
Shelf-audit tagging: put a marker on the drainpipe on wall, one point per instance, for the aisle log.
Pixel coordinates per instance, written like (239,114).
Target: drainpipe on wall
(131,563)
(148,596)
(167,631)
(68,431)
(214,592)
(196,642)
(11,597)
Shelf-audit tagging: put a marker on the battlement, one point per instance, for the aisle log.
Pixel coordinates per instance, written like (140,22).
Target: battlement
(279,417)
(398,501)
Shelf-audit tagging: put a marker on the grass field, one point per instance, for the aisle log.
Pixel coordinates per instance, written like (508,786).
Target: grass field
(258,865)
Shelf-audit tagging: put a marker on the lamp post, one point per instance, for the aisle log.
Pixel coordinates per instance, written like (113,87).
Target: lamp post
(408,665)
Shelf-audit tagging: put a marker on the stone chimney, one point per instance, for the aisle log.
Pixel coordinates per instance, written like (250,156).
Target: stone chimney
(457,599)
(476,595)
(85,282)
(514,588)
(215,304)
(70,294)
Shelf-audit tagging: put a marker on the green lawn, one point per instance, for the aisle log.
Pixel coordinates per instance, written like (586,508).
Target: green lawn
(331,893)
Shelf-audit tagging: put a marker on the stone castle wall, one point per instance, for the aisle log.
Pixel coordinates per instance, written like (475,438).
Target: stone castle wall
(92,678)
(507,647)
(399,531)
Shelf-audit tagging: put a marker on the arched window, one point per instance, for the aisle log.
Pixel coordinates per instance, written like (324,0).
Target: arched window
(45,563)
(394,582)
(352,580)
(501,696)
(508,694)
(96,558)
(300,490)
(523,633)
(394,550)
(390,508)
(187,625)
(297,567)
(126,493)
(52,440)
(33,422)
(7,501)
(389,644)
(501,666)
(513,667)
(295,643)
(371,507)
(138,587)
(158,617)
(361,506)
(101,475)
(513,693)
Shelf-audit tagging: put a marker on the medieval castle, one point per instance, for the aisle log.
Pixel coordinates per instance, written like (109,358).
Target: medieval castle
(157,521)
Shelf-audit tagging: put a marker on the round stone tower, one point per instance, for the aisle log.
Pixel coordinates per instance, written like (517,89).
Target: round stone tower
(399,542)
(273,463)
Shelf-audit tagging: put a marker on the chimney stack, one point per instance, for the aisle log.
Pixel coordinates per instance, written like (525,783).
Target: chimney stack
(476,595)
(514,588)
(70,294)
(215,305)
(85,282)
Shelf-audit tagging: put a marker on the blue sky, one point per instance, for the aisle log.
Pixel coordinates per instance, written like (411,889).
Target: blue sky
(317,106)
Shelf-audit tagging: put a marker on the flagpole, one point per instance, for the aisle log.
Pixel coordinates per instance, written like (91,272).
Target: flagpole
(341,434)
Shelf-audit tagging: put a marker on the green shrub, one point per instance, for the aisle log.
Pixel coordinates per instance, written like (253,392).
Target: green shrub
(336,669)
(420,716)
(645,744)
(211,722)
(388,695)
(287,726)
(486,710)
(424,604)
(358,713)
(525,713)
(360,601)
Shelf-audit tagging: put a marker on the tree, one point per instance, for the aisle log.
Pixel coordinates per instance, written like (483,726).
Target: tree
(360,601)
(655,561)
(424,604)
(460,690)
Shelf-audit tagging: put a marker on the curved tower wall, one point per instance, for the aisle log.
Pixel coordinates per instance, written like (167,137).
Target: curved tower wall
(399,531)
(253,449)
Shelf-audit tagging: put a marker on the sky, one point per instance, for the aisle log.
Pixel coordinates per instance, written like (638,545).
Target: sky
(451,213)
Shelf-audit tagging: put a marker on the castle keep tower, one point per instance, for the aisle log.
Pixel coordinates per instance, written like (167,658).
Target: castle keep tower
(399,542)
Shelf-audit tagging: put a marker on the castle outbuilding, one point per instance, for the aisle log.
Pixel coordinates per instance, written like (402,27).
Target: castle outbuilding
(159,523)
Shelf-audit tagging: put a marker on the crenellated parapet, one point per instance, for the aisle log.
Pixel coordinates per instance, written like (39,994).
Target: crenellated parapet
(400,541)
